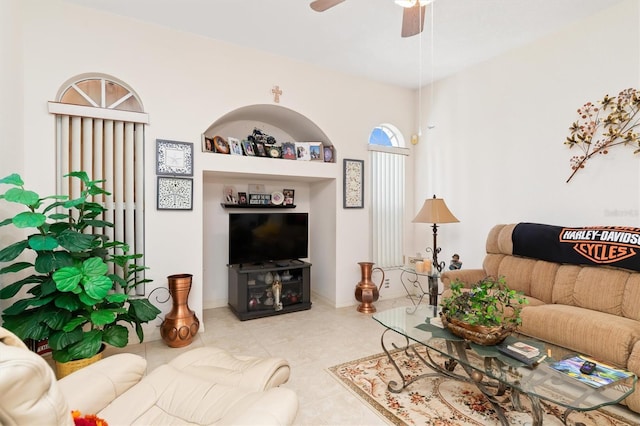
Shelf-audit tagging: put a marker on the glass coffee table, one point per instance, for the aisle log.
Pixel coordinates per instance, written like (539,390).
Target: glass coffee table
(492,372)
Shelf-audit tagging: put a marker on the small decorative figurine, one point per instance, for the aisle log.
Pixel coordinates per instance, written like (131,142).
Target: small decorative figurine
(455,262)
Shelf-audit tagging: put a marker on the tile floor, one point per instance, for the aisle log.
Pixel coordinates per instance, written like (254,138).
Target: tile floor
(312,341)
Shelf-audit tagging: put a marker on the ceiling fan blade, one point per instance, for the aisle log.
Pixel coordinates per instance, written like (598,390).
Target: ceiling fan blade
(322,5)
(413,20)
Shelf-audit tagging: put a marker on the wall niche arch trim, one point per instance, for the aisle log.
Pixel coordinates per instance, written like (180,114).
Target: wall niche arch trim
(285,124)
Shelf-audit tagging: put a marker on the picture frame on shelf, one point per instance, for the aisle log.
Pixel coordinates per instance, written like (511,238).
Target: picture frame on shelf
(229,195)
(248,149)
(328,153)
(353,177)
(275,151)
(302,151)
(261,151)
(207,145)
(174,158)
(289,150)
(289,196)
(315,151)
(242,198)
(174,193)
(257,188)
(235,146)
(221,145)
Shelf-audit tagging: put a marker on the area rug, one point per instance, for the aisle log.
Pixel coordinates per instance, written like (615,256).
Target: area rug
(441,400)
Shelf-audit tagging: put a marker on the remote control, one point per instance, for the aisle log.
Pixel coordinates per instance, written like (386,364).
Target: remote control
(588,367)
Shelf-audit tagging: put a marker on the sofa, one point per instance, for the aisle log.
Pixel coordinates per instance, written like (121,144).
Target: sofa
(203,386)
(586,307)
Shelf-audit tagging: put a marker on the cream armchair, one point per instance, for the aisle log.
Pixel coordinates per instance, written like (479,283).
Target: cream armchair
(204,386)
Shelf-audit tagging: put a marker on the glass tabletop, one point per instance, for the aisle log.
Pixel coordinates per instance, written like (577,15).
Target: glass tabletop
(486,362)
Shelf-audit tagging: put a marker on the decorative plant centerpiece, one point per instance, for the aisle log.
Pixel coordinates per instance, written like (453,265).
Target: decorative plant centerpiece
(602,127)
(77,287)
(486,313)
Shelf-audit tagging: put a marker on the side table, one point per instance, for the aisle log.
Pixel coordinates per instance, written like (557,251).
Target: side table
(409,277)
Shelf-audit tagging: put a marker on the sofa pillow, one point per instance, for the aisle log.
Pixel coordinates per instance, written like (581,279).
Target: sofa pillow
(542,278)
(491,263)
(563,286)
(518,272)
(630,305)
(600,289)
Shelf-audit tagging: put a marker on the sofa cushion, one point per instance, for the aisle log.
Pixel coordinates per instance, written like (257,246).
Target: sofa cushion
(631,296)
(607,337)
(600,289)
(542,277)
(564,284)
(517,272)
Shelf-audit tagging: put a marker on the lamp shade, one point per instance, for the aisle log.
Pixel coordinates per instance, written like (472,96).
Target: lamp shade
(434,210)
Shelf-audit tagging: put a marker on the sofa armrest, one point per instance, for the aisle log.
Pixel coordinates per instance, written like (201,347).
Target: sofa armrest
(95,386)
(222,367)
(467,276)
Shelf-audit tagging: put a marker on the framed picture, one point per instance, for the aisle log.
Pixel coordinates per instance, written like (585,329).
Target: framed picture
(175,193)
(247,147)
(289,150)
(328,154)
(353,176)
(235,146)
(302,151)
(174,158)
(207,145)
(242,198)
(275,152)
(261,151)
(221,145)
(315,151)
(288,196)
(229,195)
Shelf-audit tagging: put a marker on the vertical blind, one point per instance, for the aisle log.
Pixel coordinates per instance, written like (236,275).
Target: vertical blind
(388,188)
(112,150)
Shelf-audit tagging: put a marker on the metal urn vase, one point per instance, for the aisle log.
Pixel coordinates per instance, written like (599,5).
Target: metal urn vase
(181,324)
(367,291)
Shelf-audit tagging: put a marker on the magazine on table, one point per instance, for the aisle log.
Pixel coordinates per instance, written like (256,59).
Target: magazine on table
(603,374)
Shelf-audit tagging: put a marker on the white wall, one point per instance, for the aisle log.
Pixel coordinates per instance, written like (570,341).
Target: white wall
(497,154)
(186,83)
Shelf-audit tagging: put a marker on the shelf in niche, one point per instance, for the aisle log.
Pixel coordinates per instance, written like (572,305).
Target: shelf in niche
(257,206)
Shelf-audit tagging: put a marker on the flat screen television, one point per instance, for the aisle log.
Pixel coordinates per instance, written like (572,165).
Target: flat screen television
(263,237)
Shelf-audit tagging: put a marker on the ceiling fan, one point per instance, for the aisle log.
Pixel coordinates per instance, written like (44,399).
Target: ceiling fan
(412,16)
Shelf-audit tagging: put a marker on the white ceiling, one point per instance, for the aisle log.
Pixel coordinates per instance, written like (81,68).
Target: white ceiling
(362,37)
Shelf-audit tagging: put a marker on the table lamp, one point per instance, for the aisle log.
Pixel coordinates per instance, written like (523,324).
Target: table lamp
(435,210)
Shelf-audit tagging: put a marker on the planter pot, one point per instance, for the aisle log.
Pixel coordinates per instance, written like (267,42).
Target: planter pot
(482,335)
(65,368)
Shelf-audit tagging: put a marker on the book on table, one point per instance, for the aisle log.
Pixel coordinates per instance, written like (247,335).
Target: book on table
(524,349)
(603,375)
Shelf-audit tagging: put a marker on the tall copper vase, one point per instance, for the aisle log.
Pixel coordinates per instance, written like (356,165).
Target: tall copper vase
(181,324)
(366,290)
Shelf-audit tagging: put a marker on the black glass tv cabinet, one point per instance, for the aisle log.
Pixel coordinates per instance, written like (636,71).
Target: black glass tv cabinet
(251,292)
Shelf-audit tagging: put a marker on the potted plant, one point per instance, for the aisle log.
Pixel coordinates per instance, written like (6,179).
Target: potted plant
(76,292)
(486,313)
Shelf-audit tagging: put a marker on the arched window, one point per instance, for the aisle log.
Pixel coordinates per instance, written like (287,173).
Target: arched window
(100,130)
(388,154)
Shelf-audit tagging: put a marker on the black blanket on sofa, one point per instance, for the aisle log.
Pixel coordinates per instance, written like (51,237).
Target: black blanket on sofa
(593,245)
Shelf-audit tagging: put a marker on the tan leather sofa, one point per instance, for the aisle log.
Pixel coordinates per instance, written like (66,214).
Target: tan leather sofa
(592,310)
(204,386)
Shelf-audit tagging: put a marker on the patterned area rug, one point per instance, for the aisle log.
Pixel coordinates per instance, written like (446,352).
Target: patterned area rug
(441,400)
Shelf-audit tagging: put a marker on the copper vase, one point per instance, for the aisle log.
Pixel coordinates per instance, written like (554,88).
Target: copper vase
(366,290)
(181,324)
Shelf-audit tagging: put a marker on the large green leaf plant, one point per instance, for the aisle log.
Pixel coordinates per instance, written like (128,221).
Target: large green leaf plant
(67,292)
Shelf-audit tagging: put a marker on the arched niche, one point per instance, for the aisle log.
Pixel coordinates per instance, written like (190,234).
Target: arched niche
(282,123)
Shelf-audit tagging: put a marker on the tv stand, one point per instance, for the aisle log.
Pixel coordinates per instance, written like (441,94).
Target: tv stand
(251,297)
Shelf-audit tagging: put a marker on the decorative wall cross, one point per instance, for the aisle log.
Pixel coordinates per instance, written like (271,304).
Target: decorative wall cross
(276,94)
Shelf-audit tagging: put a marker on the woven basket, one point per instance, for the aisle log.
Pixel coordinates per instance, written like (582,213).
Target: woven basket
(479,334)
(65,368)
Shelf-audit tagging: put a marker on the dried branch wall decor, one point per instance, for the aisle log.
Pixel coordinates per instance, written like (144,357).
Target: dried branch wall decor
(600,128)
